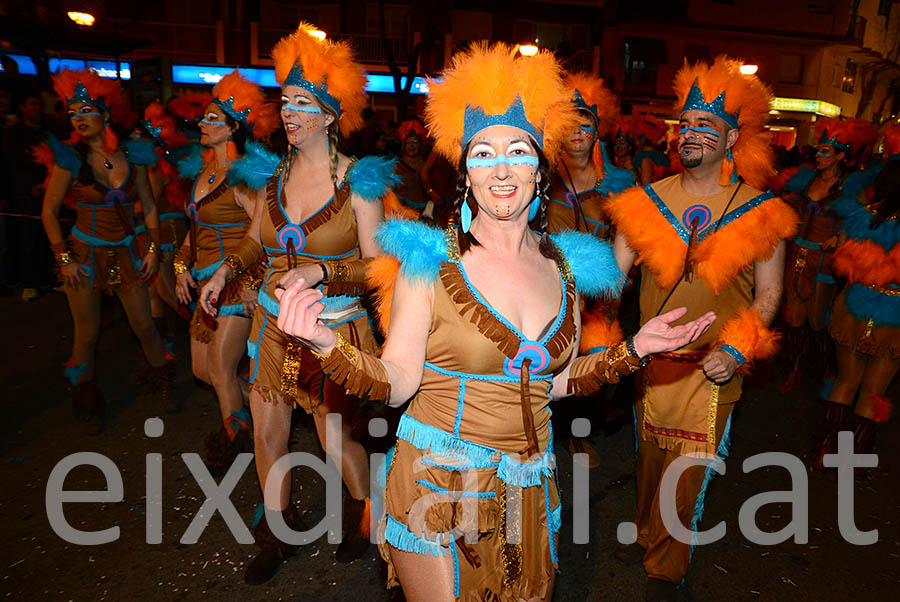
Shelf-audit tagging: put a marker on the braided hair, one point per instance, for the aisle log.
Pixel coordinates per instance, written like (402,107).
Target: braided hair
(465,240)
(333,133)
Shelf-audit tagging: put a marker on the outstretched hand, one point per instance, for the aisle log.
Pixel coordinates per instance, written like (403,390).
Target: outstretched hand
(657,336)
(298,316)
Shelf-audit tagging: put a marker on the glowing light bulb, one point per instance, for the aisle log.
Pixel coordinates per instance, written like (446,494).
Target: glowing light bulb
(318,34)
(82,19)
(749,69)
(528,50)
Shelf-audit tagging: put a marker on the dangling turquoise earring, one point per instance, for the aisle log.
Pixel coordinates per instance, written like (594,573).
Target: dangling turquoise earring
(533,209)
(465,213)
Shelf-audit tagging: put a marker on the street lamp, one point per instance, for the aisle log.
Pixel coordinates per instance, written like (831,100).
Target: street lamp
(318,34)
(82,19)
(749,69)
(528,49)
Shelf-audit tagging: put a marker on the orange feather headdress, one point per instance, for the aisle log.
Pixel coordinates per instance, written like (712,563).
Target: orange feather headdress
(189,105)
(245,102)
(161,126)
(648,127)
(493,85)
(624,127)
(741,101)
(105,94)
(847,135)
(411,126)
(325,68)
(590,94)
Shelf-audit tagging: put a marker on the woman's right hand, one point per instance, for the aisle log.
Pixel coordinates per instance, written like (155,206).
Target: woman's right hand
(298,316)
(184,282)
(71,274)
(209,295)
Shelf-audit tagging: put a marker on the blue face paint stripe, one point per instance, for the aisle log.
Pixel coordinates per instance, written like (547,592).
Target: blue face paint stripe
(208,122)
(475,162)
(307,109)
(91,114)
(587,129)
(700,129)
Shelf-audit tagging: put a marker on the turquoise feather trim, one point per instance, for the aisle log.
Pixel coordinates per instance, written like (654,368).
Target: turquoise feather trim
(800,180)
(398,535)
(372,177)
(615,179)
(526,474)
(722,454)
(141,152)
(865,304)
(856,223)
(63,154)
(857,182)
(420,248)
(655,156)
(554,519)
(592,262)
(189,167)
(254,168)
(442,443)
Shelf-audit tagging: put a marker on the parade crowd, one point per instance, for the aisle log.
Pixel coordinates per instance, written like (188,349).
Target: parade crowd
(524,247)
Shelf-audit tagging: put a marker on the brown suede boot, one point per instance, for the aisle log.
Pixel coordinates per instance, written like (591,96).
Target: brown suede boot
(834,419)
(272,551)
(89,407)
(355,527)
(159,383)
(864,434)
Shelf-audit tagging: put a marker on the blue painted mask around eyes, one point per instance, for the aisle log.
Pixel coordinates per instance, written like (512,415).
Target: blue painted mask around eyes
(699,128)
(208,122)
(475,162)
(306,109)
(588,130)
(91,114)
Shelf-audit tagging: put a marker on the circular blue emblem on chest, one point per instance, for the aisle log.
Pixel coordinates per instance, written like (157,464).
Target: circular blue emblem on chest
(291,234)
(699,212)
(532,350)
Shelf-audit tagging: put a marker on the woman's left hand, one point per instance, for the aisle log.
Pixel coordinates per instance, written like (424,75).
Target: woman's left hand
(298,316)
(249,299)
(149,265)
(657,336)
(310,274)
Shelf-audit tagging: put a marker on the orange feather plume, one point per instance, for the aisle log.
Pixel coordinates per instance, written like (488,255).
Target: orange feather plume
(158,118)
(325,63)
(189,105)
(263,117)
(598,331)
(394,209)
(624,127)
(866,262)
(381,274)
(747,333)
(746,96)
(892,139)
(857,133)
(43,155)
(490,77)
(594,92)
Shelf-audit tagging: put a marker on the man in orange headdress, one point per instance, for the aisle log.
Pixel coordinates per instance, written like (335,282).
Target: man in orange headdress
(706,239)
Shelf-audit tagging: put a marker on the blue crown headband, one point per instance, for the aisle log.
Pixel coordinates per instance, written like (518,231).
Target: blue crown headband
(228,107)
(81,95)
(582,104)
(833,141)
(475,120)
(154,132)
(295,78)
(695,102)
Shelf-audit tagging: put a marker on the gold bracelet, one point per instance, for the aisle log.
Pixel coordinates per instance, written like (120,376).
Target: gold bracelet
(151,247)
(340,271)
(64,258)
(180,267)
(342,346)
(235,263)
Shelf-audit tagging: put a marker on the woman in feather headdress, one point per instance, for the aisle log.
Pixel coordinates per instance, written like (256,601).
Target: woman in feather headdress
(809,286)
(483,329)
(315,221)
(235,116)
(166,140)
(865,318)
(101,255)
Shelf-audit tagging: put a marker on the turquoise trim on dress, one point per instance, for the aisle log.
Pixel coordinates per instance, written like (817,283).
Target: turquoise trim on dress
(398,535)
(454,494)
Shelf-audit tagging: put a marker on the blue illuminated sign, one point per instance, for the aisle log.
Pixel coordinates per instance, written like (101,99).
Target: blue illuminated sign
(211,74)
(104,68)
